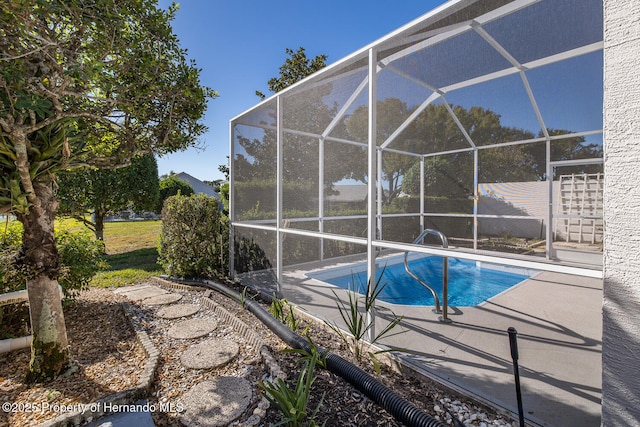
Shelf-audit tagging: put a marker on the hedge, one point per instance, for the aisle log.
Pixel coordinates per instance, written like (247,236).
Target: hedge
(194,240)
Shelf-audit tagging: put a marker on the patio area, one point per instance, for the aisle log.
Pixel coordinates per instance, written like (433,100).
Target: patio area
(558,319)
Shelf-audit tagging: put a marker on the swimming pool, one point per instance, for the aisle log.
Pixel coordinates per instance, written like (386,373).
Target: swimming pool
(470,282)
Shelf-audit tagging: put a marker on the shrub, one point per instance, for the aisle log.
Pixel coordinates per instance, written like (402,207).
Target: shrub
(10,278)
(194,240)
(355,316)
(293,403)
(172,186)
(81,257)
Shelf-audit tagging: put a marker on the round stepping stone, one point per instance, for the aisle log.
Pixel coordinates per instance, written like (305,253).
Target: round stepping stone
(175,311)
(216,402)
(162,299)
(210,354)
(142,292)
(192,328)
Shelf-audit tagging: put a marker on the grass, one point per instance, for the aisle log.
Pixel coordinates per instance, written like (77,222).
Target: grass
(131,248)
(129,236)
(128,267)
(131,252)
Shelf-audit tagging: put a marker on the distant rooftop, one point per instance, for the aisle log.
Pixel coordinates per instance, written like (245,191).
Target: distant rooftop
(198,186)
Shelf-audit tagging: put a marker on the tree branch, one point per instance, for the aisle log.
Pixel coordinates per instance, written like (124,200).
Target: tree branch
(22,164)
(12,58)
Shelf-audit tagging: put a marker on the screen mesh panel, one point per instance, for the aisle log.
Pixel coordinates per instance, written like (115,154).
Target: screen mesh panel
(476,105)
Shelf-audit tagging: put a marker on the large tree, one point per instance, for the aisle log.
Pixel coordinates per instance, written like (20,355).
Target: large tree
(434,130)
(89,194)
(305,110)
(391,113)
(295,68)
(82,83)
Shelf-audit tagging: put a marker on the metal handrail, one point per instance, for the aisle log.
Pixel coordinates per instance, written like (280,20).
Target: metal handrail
(445,274)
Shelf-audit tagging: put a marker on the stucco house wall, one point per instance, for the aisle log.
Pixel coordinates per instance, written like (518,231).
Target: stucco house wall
(621,307)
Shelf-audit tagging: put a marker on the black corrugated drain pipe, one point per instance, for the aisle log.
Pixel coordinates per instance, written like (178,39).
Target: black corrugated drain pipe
(400,408)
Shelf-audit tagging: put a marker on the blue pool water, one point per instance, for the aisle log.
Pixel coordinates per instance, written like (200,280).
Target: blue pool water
(470,283)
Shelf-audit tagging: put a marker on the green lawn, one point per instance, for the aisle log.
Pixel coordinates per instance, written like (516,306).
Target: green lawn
(131,252)
(131,248)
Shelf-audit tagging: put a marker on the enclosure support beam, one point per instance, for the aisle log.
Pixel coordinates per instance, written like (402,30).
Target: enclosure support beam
(549,233)
(422,198)
(372,184)
(343,111)
(321,193)
(279,176)
(380,196)
(475,199)
(232,267)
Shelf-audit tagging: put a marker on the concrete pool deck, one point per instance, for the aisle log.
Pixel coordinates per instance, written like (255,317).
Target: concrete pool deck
(559,322)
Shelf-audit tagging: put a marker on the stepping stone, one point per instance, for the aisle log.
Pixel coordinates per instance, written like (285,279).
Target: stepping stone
(176,311)
(210,354)
(125,289)
(142,292)
(162,299)
(216,402)
(192,328)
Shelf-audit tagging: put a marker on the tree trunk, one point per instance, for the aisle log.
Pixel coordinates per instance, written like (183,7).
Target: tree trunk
(50,353)
(98,218)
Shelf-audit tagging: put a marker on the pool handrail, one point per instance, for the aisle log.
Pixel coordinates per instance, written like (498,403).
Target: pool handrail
(445,274)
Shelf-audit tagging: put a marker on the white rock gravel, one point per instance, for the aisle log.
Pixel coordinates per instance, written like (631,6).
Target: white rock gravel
(469,415)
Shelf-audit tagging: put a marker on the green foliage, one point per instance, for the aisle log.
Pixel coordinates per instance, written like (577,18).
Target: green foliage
(116,63)
(277,309)
(294,69)
(84,83)
(282,310)
(194,241)
(98,192)
(129,267)
(293,403)
(434,204)
(243,297)
(81,258)
(46,155)
(110,82)
(315,353)
(172,186)
(10,277)
(309,111)
(258,195)
(224,196)
(355,316)
(249,256)
(443,177)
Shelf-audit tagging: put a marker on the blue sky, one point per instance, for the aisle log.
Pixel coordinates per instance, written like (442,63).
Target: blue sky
(240,45)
